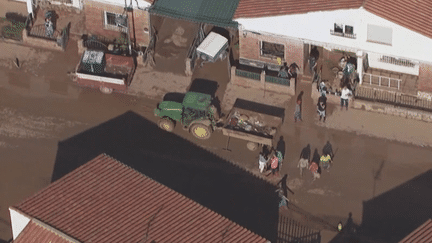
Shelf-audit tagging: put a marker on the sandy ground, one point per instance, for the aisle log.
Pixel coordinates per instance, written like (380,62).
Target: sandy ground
(30,58)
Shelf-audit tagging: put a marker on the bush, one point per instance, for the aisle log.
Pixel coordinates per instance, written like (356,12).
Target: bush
(13,29)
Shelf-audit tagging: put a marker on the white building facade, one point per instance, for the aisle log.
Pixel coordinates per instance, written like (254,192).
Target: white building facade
(388,45)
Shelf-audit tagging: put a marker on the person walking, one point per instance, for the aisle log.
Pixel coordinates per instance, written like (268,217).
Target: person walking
(283,192)
(314,169)
(328,149)
(280,158)
(262,162)
(274,165)
(304,159)
(345,94)
(325,162)
(322,106)
(314,166)
(297,112)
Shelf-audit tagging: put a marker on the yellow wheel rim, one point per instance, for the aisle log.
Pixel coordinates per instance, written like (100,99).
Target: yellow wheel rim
(200,132)
(166,126)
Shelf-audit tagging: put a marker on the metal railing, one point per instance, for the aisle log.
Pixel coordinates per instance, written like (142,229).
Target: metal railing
(381,80)
(247,74)
(40,32)
(352,36)
(392,98)
(95,44)
(290,230)
(277,80)
(397,61)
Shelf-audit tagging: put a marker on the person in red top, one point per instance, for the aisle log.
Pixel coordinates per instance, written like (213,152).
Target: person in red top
(274,165)
(314,169)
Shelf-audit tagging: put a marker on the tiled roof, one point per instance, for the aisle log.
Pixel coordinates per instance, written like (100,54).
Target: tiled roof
(415,15)
(106,201)
(265,8)
(422,234)
(37,233)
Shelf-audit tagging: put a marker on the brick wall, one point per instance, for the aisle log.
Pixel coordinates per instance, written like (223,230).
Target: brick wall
(250,48)
(95,22)
(425,78)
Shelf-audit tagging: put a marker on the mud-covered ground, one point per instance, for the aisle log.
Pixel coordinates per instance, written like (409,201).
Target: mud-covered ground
(382,182)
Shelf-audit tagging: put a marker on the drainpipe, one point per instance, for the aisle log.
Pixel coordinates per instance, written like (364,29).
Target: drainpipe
(360,65)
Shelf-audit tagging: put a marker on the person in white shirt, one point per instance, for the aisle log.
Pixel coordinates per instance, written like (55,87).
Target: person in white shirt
(344,97)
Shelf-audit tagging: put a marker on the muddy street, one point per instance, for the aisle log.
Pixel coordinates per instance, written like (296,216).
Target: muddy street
(37,112)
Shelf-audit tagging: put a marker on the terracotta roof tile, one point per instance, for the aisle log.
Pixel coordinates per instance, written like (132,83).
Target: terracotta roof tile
(422,234)
(36,233)
(106,201)
(266,8)
(415,15)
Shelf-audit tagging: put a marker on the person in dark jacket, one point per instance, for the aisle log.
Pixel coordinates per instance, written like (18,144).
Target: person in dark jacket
(322,106)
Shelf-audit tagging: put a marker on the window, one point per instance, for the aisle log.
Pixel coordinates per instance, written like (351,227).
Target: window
(338,28)
(272,49)
(343,30)
(379,34)
(115,21)
(349,30)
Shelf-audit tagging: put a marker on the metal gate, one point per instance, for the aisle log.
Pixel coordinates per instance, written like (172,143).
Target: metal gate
(291,231)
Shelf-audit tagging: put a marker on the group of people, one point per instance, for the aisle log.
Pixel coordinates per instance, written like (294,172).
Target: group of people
(317,162)
(270,159)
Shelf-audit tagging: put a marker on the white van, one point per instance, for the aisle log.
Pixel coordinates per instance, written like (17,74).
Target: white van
(213,47)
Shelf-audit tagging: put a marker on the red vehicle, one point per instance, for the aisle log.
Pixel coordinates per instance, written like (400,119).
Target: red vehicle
(104,71)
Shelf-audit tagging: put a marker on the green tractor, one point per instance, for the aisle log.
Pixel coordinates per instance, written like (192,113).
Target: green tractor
(196,114)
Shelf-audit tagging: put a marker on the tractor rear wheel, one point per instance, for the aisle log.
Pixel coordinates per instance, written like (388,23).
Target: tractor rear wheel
(166,124)
(201,131)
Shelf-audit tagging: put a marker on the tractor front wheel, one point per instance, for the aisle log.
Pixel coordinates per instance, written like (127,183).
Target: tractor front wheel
(201,131)
(166,124)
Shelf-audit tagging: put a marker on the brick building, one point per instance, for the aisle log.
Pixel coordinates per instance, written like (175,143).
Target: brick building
(109,19)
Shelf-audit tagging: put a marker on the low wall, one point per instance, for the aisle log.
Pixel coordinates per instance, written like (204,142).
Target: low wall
(376,107)
(40,42)
(262,84)
(392,110)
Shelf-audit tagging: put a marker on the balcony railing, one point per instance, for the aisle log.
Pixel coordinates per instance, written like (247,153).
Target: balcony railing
(247,74)
(40,32)
(393,98)
(382,81)
(397,61)
(277,80)
(351,36)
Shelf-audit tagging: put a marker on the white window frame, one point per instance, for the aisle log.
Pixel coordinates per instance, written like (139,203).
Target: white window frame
(268,55)
(111,26)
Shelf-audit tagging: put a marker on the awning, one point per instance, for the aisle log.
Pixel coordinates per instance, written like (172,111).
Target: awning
(218,12)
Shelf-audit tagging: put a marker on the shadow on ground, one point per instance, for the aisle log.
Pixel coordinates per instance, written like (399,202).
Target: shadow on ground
(394,214)
(204,86)
(179,164)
